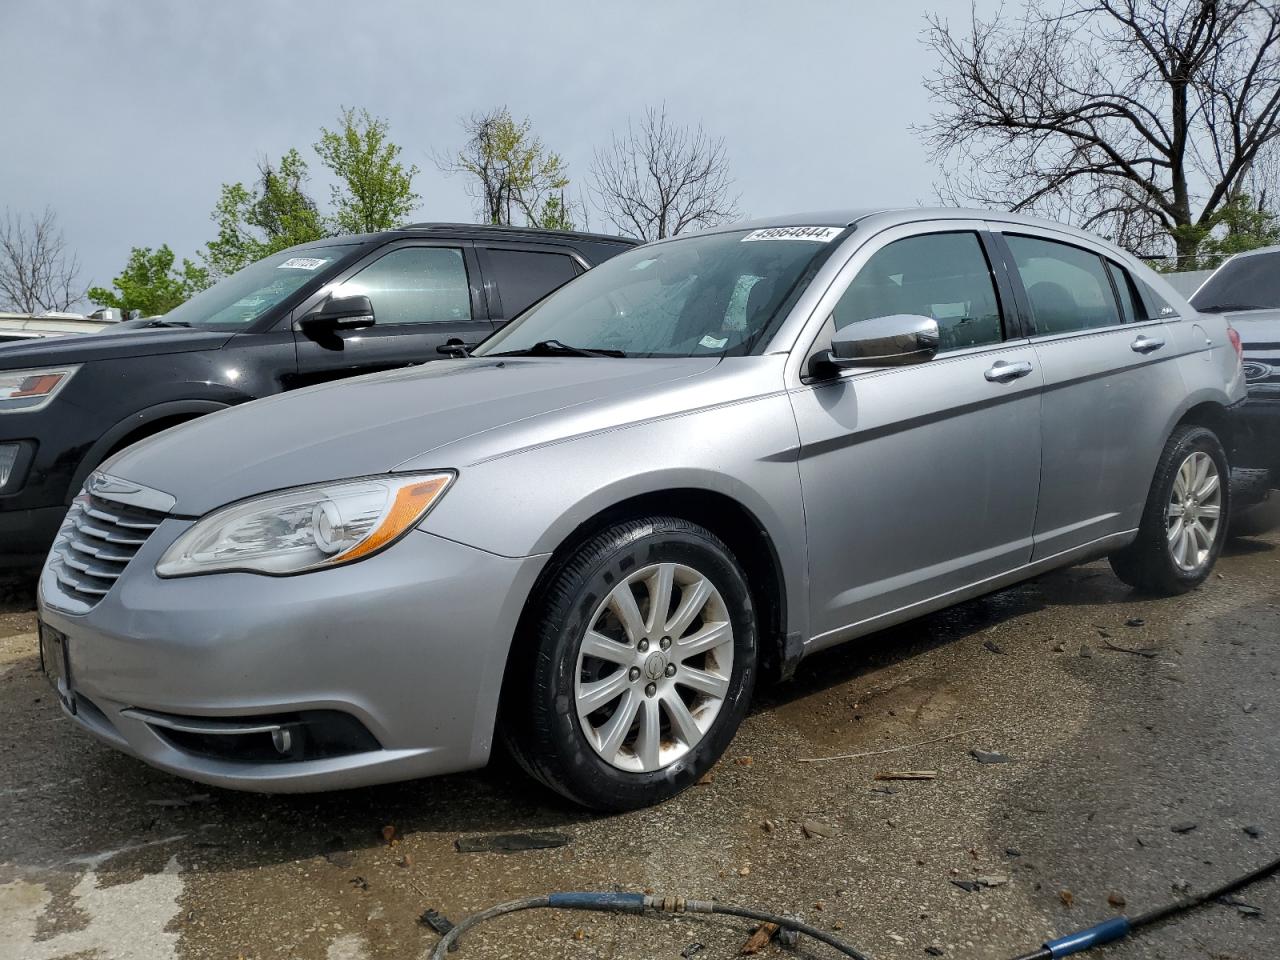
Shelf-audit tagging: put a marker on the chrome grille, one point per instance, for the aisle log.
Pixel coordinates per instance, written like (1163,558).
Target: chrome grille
(96,543)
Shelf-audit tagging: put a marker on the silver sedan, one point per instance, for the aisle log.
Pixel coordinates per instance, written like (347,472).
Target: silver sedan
(699,462)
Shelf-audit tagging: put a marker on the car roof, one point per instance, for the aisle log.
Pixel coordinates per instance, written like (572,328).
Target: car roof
(472,231)
(891,215)
(1255,252)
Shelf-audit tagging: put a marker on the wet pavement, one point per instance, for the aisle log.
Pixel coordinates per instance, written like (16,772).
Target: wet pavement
(1143,747)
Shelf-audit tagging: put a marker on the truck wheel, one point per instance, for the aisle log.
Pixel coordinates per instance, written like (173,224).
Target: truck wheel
(1184,523)
(643,663)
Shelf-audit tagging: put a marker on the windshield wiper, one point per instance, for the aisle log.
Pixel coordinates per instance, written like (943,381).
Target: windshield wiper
(162,322)
(554,348)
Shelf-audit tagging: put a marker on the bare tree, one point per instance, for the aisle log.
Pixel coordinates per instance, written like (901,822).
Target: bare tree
(1137,118)
(37,272)
(660,178)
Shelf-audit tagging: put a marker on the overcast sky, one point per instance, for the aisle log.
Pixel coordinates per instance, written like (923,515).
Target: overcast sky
(126,117)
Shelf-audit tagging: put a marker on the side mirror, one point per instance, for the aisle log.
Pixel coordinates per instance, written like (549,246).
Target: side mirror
(340,313)
(896,341)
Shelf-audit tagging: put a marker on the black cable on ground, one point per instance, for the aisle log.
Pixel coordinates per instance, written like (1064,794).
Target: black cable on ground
(638,903)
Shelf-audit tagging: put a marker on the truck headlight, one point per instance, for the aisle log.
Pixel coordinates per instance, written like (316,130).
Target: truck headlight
(25,391)
(305,529)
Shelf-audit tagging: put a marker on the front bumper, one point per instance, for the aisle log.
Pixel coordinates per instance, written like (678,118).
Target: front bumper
(411,644)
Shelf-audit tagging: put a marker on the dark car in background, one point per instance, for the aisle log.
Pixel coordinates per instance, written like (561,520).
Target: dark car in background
(316,312)
(1247,289)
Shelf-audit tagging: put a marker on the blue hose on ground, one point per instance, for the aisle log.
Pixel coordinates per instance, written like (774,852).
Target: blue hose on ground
(638,903)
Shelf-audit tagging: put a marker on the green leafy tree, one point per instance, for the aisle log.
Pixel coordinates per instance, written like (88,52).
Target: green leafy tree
(516,178)
(1244,226)
(151,283)
(274,215)
(375,189)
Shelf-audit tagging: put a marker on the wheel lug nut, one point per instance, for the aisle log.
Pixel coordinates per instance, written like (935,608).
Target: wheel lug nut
(650,690)
(671,669)
(665,642)
(642,646)
(634,673)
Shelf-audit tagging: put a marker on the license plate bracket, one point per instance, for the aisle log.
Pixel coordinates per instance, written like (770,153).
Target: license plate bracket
(56,665)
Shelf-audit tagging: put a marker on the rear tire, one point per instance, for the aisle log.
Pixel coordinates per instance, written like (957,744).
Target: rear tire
(609,703)
(1184,523)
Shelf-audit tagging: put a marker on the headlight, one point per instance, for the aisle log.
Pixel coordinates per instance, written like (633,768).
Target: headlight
(28,390)
(307,528)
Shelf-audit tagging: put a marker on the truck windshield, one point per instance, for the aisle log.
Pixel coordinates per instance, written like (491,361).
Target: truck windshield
(236,301)
(703,295)
(1245,283)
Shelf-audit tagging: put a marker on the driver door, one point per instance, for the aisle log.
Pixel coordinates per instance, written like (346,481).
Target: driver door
(423,294)
(918,481)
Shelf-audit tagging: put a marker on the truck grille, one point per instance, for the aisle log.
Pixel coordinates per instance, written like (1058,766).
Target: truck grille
(96,542)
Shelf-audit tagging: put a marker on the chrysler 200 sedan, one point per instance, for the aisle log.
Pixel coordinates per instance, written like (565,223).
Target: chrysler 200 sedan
(701,461)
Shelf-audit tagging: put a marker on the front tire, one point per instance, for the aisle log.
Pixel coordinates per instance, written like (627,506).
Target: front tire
(640,662)
(1184,523)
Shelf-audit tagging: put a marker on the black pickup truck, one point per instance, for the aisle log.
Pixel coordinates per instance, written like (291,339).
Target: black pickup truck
(317,312)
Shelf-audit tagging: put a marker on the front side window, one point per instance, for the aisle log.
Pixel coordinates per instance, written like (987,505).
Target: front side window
(1068,287)
(940,275)
(703,295)
(414,285)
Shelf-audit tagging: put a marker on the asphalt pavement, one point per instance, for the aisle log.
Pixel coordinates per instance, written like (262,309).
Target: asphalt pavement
(1080,751)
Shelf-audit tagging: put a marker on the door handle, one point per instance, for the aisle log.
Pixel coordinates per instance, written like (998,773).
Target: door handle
(1002,371)
(1145,344)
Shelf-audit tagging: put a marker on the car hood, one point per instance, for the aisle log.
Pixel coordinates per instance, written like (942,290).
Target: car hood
(107,345)
(448,413)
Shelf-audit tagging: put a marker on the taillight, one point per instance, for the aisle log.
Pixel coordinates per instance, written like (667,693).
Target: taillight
(1234,336)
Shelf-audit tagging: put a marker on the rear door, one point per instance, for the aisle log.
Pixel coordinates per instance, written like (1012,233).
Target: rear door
(921,480)
(424,293)
(1109,386)
(516,276)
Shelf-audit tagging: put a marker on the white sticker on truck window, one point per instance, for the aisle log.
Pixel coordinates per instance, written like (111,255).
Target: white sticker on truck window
(301,263)
(816,234)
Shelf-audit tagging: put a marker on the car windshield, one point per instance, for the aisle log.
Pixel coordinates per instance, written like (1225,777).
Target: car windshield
(236,301)
(1245,283)
(703,295)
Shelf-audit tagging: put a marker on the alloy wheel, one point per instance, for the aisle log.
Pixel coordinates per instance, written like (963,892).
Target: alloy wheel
(1194,511)
(654,667)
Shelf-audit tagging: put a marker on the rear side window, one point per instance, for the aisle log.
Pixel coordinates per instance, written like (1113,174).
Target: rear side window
(414,285)
(1068,287)
(940,275)
(1131,308)
(523,277)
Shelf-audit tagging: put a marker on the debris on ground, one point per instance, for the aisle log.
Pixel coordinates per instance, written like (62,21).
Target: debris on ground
(1086,651)
(336,852)
(1067,897)
(1060,647)
(706,780)
(878,753)
(1116,900)
(692,949)
(1180,886)
(933,950)
(1253,831)
(968,886)
(768,826)
(436,921)
(992,880)
(1012,852)
(814,828)
(1135,622)
(1245,909)
(759,939)
(1148,652)
(359,882)
(1249,707)
(992,646)
(389,835)
(176,802)
(744,871)
(989,756)
(511,842)
(907,775)
(1186,827)
(744,761)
